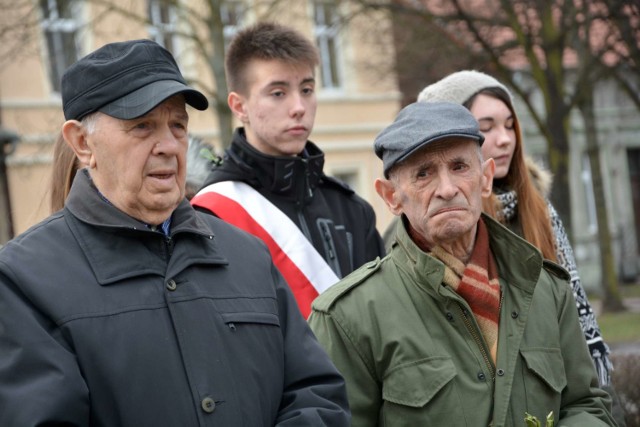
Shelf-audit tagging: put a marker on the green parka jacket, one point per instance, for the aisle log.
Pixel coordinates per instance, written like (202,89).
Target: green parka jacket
(412,353)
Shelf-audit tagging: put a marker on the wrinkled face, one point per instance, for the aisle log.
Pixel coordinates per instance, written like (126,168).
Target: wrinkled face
(139,165)
(279,107)
(440,190)
(496,124)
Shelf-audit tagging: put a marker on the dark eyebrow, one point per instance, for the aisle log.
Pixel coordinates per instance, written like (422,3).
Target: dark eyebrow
(278,83)
(183,115)
(426,164)
(460,159)
(287,84)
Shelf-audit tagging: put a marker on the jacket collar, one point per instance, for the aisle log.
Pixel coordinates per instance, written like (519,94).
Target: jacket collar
(519,263)
(86,204)
(289,176)
(136,250)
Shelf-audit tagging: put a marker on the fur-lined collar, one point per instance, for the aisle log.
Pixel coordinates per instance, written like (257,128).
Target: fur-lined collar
(542,178)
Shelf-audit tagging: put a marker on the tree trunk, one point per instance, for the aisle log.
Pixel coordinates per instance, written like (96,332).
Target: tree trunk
(6,223)
(612,300)
(216,64)
(557,135)
(225,122)
(6,226)
(558,152)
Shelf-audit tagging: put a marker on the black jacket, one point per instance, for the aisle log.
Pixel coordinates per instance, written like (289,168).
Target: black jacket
(104,322)
(340,224)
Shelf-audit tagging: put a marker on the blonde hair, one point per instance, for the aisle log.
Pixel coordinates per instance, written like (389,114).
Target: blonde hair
(533,212)
(64,168)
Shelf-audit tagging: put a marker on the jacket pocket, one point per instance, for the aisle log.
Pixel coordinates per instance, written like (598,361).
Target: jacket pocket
(543,379)
(231,319)
(548,365)
(254,330)
(421,393)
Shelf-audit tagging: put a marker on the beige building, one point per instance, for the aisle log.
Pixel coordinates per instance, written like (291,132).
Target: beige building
(357,91)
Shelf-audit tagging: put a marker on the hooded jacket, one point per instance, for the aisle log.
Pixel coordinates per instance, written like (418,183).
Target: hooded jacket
(340,225)
(104,322)
(412,355)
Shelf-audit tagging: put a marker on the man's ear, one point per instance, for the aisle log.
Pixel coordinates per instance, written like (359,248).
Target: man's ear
(76,136)
(488,170)
(236,104)
(387,191)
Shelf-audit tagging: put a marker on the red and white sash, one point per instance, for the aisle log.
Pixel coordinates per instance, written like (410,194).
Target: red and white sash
(237,203)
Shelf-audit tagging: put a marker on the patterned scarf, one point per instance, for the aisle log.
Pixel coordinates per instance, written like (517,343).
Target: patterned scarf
(478,284)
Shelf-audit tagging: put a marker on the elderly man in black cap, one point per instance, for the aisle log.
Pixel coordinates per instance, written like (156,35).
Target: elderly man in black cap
(463,323)
(129,308)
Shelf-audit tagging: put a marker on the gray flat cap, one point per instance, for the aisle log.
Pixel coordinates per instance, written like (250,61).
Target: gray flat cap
(422,123)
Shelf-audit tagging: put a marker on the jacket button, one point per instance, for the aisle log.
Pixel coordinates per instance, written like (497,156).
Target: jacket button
(449,316)
(208,405)
(514,314)
(500,372)
(481,376)
(171,285)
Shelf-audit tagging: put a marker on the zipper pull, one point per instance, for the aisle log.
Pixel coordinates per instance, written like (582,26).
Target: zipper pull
(327,238)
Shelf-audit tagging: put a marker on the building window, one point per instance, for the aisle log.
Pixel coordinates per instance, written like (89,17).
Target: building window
(162,18)
(232,14)
(326,34)
(60,31)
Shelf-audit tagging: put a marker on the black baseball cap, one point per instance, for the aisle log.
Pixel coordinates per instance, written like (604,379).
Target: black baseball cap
(124,80)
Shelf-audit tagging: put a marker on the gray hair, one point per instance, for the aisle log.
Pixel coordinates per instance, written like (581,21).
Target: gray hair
(89,122)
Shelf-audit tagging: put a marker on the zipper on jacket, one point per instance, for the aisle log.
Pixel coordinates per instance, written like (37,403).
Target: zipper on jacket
(478,340)
(329,247)
(307,185)
(303,224)
(300,203)
(328,241)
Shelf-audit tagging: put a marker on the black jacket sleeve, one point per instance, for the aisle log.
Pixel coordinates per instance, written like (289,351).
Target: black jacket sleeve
(40,381)
(314,392)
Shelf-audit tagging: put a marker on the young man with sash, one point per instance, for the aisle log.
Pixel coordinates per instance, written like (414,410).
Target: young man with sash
(271,181)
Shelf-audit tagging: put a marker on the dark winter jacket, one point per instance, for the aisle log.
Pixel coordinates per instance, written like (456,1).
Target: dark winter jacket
(104,322)
(339,224)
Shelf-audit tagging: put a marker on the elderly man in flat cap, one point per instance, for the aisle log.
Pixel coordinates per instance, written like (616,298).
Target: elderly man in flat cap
(129,308)
(463,323)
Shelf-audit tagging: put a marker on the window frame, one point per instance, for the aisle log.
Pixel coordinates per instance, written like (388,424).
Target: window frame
(163,33)
(56,30)
(327,39)
(230,26)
